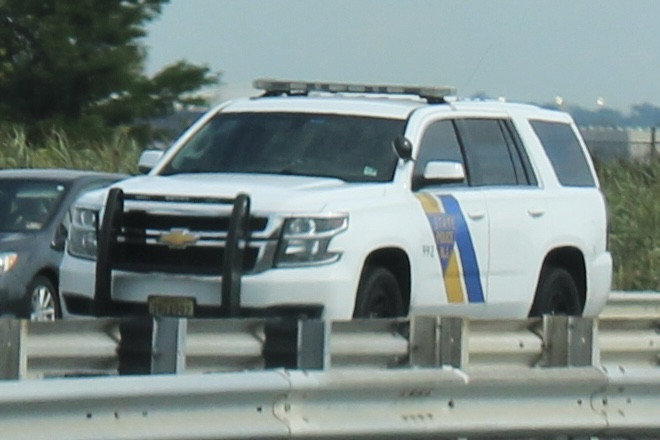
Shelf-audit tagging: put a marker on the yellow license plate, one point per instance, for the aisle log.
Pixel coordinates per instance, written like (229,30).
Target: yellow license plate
(171,306)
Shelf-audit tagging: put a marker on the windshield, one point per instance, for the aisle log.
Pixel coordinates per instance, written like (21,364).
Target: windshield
(351,148)
(28,205)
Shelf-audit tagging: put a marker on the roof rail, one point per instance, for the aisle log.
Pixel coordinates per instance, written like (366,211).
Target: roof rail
(275,87)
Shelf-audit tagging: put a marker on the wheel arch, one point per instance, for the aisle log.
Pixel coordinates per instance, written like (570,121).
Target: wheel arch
(49,273)
(571,259)
(395,260)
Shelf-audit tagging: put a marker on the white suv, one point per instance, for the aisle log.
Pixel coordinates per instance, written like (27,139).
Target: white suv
(346,200)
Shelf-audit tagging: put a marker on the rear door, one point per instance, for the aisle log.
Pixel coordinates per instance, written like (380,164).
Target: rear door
(499,168)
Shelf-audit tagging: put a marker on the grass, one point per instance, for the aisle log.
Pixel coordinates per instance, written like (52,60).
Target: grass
(633,196)
(632,191)
(119,155)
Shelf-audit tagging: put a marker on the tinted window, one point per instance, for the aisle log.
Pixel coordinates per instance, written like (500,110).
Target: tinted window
(521,162)
(565,153)
(438,143)
(488,155)
(28,205)
(351,148)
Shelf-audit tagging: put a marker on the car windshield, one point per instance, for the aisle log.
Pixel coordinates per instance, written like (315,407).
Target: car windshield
(351,148)
(27,205)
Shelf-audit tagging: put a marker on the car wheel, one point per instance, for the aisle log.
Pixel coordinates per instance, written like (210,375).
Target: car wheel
(379,295)
(556,294)
(44,303)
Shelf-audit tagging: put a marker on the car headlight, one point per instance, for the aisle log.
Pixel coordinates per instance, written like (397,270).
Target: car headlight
(82,233)
(305,240)
(7,261)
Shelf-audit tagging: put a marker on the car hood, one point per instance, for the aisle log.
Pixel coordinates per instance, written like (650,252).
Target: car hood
(268,193)
(14,240)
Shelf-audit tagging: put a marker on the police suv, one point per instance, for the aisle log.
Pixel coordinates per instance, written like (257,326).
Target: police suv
(339,201)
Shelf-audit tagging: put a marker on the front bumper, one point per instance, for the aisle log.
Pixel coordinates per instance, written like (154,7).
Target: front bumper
(13,301)
(321,291)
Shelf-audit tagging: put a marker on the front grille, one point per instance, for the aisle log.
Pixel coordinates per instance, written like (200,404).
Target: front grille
(181,235)
(138,248)
(135,221)
(194,260)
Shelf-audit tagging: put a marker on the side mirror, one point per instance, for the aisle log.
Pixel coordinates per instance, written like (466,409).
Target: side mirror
(403,147)
(444,171)
(59,239)
(149,159)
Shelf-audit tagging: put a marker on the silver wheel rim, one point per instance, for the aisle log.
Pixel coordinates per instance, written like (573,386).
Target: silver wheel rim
(43,304)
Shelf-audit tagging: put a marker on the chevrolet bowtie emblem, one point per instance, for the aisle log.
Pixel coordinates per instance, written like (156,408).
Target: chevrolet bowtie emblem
(178,238)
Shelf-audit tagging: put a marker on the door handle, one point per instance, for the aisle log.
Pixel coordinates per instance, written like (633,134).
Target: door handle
(536,212)
(477,215)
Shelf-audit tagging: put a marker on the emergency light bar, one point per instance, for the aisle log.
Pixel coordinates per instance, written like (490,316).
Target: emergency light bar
(273,87)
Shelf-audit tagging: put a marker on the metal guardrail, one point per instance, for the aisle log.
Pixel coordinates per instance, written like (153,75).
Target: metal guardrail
(424,377)
(627,334)
(344,403)
(623,305)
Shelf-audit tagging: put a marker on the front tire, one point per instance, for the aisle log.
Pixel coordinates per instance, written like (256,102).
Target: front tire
(43,301)
(379,295)
(556,294)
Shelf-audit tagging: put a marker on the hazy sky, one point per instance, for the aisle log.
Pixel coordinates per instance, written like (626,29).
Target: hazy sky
(524,50)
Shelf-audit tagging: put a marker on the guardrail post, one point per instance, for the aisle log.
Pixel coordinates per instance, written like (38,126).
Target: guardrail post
(280,345)
(295,343)
(423,343)
(437,341)
(12,362)
(453,340)
(568,341)
(312,344)
(168,345)
(135,345)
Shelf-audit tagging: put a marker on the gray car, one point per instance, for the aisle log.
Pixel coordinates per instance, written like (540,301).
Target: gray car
(34,206)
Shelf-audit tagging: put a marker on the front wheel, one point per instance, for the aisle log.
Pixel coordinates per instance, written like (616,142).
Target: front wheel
(379,295)
(556,294)
(43,300)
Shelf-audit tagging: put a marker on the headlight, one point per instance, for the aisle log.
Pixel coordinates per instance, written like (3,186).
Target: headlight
(7,261)
(305,240)
(82,233)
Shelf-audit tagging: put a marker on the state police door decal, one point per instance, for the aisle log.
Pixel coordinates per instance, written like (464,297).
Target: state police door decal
(455,250)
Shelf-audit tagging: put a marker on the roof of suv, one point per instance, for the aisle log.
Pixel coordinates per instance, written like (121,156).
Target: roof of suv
(381,106)
(376,103)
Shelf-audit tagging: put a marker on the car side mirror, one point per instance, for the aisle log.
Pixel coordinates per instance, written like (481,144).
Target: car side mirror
(403,147)
(444,171)
(439,172)
(59,240)
(148,160)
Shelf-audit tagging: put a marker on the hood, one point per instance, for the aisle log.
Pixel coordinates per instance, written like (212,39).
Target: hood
(268,193)
(13,241)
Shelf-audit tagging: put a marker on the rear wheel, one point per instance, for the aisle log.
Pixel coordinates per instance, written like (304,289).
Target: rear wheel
(556,294)
(379,295)
(43,301)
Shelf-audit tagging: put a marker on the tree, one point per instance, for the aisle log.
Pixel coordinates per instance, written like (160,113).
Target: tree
(80,64)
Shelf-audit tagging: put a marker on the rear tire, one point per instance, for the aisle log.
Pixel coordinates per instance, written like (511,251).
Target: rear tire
(379,295)
(556,294)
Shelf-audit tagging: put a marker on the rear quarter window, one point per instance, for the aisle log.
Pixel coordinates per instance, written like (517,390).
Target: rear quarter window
(565,153)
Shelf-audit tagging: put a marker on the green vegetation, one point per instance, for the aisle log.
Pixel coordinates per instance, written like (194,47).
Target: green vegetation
(79,66)
(633,195)
(119,154)
(632,190)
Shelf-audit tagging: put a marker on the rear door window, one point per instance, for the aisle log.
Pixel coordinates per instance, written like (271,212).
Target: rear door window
(491,154)
(565,153)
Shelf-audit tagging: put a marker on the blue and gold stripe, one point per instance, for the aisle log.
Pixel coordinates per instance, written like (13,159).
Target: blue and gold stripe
(455,249)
